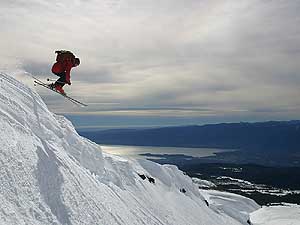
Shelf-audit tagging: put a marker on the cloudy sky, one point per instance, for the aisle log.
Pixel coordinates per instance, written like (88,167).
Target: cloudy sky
(160,62)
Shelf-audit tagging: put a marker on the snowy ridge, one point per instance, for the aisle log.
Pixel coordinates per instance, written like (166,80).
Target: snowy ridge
(236,206)
(288,214)
(51,175)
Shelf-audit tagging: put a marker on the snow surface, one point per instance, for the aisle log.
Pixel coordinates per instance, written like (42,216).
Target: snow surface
(203,183)
(286,214)
(51,175)
(229,204)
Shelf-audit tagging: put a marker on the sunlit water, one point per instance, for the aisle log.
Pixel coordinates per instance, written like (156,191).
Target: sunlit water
(135,151)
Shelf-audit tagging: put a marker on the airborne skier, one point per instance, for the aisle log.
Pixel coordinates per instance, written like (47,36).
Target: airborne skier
(65,61)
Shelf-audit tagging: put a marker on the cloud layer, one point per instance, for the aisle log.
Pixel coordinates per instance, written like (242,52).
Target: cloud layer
(182,58)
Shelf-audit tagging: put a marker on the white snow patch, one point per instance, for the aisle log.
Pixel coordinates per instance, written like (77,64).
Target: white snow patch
(235,179)
(203,183)
(286,214)
(229,204)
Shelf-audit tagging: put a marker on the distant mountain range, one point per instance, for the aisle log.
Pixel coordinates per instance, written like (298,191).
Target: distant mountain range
(279,136)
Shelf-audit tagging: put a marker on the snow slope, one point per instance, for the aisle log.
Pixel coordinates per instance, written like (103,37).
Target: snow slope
(229,204)
(51,175)
(287,214)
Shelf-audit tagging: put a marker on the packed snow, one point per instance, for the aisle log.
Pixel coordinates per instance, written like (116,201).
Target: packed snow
(51,175)
(287,214)
(233,205)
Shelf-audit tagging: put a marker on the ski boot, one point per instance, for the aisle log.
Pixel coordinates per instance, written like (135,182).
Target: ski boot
(59,89)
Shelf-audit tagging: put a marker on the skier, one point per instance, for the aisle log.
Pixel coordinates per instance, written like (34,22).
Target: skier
(65,61)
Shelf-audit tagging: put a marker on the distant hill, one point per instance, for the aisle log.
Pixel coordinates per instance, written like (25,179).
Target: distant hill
(267,136)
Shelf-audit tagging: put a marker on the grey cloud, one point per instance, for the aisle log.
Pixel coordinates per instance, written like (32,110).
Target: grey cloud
(38,69)
(214,54)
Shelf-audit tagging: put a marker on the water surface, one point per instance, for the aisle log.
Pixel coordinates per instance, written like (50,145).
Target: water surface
(136,151)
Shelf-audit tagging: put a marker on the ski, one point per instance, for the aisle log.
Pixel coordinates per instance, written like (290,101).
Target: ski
(41,83)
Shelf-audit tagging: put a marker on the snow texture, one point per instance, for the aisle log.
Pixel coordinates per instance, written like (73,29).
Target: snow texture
(229,204)
(51,175)
(203,183)
(287,214)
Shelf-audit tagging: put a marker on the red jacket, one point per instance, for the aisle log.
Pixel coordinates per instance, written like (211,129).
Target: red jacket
(65,66)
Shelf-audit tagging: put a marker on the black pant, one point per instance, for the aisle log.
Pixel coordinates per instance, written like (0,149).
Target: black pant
(62,79)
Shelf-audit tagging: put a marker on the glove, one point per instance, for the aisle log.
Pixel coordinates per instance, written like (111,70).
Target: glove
(68,82)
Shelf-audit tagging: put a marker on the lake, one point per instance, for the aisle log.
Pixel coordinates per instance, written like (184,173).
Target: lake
(136,151)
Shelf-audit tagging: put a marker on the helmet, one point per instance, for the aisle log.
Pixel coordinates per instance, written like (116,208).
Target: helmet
(77,61)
